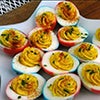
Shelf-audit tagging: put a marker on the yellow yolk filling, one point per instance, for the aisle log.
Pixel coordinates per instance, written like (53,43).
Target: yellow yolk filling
(70,33)
(86,51)
(91,74)
(67,11)
(98,34)
(25,85)
(41,39)
(61,61)
(12,38)
(63,86)
(30,57)
(46,19)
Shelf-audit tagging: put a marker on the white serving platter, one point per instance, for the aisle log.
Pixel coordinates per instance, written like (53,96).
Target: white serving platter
(5,61)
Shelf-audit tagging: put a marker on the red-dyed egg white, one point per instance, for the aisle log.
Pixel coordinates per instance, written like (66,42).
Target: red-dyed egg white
(12,95)
(46,18)
(12,41)
(71,35)
(62,65)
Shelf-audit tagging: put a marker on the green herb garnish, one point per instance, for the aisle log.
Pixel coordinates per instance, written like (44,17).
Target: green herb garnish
(19,97)
(23,82)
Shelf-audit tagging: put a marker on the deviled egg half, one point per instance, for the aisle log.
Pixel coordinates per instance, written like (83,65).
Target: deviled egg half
(27,61)
(25,87)
(58,62)
(90,75)
(62,87)
(71,35)
(12,40)
(96,38)
(46,18)
(43,39)
(67,13)
(85,52)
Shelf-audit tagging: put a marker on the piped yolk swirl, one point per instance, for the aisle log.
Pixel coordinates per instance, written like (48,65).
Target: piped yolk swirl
(30,57)
(12,38)
(86,51)
(25,85)
(41,39)
(61,61)
(46,19)
(63,86)
(70,33)
(91,74)
(67,11)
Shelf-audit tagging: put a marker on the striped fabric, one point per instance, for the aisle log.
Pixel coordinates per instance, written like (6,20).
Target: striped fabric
(8,5)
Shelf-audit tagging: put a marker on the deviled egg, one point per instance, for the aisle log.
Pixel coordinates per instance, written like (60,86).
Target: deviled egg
(62,87)
(96,38)
(12,40)
(71,35)
(27,61)
(67,13)
(58,62)
(85,52)
(25,87)
(90,75)
(44,39)
(46,18)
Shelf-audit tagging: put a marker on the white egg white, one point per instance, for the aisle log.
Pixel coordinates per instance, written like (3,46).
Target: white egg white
(86,84)
(55,43)
(48,95)
(63,22)
(53,71)
(14,96)
(71,50)
(20,68)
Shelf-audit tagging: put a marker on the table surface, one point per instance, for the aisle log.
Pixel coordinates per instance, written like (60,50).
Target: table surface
(88,8)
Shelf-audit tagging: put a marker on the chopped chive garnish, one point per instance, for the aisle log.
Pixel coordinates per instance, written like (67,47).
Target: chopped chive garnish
(88,70)
(19,97)
(28,78)
(3,34)
(45,65)
(35,53)
(52,53)
(10,87)
(53,62)
(89,47)
(23,82)
(86,34)
(79,49)
(1,42)
(49,85)
(92,71)
(7,37)
(66,90)
(82,37)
